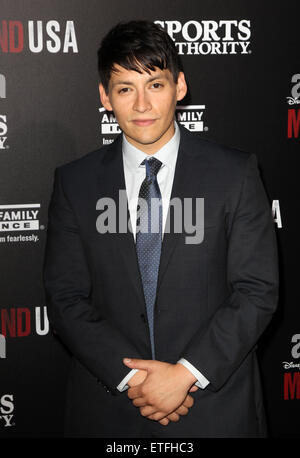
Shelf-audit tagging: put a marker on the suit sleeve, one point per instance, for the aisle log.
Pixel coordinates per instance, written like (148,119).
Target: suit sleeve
(252,275)
(95,342)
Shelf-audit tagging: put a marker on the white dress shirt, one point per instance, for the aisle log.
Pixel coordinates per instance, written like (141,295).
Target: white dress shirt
(135,174)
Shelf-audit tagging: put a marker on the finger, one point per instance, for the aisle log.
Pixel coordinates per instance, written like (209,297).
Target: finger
(148,410)
(173,417)
(188,402)
(182,410)
(157,416)
(134,392)
(139,402)
(134,363)
(193,389)
(164,421)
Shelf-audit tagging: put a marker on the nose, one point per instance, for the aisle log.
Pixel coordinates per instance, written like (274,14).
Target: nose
(142,102)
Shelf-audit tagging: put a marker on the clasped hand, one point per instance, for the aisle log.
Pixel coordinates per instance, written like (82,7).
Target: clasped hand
(160,390)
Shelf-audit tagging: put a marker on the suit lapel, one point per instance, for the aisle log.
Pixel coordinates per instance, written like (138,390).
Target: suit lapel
(111,179)
(180,190)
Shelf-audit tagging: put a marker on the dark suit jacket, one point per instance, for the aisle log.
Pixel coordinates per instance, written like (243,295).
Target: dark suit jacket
(214,299)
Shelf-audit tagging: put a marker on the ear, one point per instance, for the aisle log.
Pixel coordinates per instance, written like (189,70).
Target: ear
(104,98)
(181,89)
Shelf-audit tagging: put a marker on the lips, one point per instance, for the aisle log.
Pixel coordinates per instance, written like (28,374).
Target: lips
(143,122)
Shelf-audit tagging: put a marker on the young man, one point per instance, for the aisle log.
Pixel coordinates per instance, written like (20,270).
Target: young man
(152,316)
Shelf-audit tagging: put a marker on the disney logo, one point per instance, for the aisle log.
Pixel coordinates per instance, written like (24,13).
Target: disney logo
(290,365)
(292,101)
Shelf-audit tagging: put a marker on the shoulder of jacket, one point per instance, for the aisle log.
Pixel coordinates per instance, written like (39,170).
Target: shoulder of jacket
(215,153)
(85,164)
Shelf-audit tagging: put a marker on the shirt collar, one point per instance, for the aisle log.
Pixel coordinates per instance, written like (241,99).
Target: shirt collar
(167,154)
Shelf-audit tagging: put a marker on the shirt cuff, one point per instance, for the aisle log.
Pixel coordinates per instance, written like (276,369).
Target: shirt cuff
(123,385)
(202,381)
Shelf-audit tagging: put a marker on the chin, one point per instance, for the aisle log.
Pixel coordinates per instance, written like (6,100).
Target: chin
(146,140)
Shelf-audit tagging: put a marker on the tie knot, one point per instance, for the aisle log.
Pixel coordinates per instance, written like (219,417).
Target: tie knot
(152,167)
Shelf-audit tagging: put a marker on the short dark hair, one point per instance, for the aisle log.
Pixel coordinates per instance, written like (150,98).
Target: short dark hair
(137,45)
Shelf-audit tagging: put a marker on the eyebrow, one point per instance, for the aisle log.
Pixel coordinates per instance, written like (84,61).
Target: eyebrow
(159,76)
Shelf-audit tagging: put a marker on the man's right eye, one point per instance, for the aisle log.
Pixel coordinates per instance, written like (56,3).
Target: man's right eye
(123,90)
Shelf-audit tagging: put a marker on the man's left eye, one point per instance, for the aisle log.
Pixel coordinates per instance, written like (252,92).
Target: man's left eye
(157,85)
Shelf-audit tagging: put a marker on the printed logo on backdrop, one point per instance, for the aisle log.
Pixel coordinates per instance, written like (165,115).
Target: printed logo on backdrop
(3,132)
(2,346)
(293,122)
(17,220)
(109,126)
(37,36)
(23,322)
(3,117)
(2,87)
(276,213)
(190,116)
(209,36)
(7,408)
(291,377)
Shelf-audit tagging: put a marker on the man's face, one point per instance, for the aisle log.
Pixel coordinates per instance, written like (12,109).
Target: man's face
(144,105)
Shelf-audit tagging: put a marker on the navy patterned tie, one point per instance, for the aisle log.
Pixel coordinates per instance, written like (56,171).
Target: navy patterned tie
(149,237)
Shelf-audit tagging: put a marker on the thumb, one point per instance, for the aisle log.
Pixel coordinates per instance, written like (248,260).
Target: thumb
(134,363)
(193,389)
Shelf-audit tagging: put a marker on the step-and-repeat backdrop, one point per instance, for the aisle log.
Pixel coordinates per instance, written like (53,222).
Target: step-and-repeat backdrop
(241,61)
